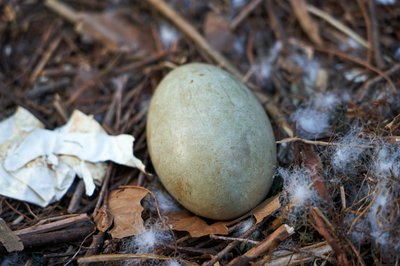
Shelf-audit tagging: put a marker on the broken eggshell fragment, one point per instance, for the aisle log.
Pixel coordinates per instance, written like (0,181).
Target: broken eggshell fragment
(210,142)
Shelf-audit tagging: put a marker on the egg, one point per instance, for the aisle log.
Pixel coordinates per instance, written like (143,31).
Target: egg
(210,141)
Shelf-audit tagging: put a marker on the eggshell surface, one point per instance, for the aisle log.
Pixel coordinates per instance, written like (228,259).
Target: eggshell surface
(210,142)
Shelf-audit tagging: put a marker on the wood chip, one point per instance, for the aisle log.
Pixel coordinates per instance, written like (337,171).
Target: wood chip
(266,208)
(9,239)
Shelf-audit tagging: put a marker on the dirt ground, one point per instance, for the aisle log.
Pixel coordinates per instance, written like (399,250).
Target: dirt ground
(326,72)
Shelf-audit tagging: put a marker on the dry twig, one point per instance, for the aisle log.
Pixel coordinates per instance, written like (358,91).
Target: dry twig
(229,247)
(322,143)
(244,13)
(375,35)
(359,62)
(280,234)
(313,163)
(45,58)
(337,24)
(364,11)
(309,26)
(227,238)
(56,232)
(322,228)
(53,226)
(301,256)
(119,257)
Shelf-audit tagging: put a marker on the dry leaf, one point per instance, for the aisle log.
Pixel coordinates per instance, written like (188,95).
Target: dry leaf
(103,219)
(183,220)
(180,219)
(197,227)
(125,206)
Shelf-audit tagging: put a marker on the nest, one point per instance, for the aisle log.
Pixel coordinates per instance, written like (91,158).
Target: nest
(326,73)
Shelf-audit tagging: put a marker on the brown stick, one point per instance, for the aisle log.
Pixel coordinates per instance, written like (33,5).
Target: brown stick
(76,197)
(368,84)
(39,91)
(227,238)
(62,236)
(360,62)
(44,40)
(54,225)
(206,252)
(63,10)
(142,63)
(60,108)
(103,195)
(313,163)
(43,61)
(229,247)
(364,11)
(87,84)
(275,23)
(321,143)
(95,246)
(324,231)
(375,35)
(356,252)
(337,24)
(33,240)
(301,256)
(244,13)
(392,125)
(308,25)
(280,234)
(118,257)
